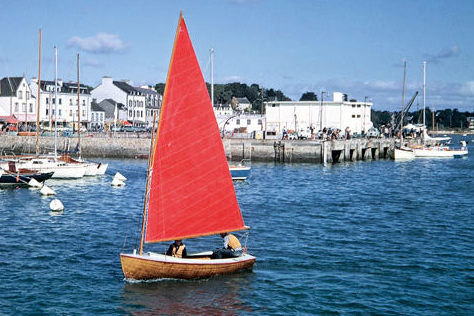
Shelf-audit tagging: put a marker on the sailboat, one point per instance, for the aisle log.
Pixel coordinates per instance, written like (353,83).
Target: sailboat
(189,191)
(46,164)
(436,151)
(92,168)
(402,152)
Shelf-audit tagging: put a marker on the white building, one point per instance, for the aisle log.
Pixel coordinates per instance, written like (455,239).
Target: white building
(16,99)
(123,92)
(97,116)
(316,115)
(241,104)
(67,107)
(152,103)
(243,124)
(223,110)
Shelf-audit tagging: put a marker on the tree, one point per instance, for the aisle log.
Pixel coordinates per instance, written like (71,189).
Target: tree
(309,96)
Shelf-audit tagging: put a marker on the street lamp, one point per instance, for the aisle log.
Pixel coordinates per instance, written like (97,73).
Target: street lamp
(321,110)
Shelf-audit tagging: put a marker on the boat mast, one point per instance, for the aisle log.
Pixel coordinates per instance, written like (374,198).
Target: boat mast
(403,101)
(39,96)
(212,75)
(151,156)
(78,111)
(424,90)
(55,102)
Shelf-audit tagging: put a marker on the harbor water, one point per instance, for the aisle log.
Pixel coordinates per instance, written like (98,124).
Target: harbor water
(379,237)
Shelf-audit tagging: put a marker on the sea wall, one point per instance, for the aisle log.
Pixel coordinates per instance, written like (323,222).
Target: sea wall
(285,151)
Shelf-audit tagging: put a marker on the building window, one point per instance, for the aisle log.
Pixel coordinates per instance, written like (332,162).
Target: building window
(70,101)
(60,101)
(83,113)
(47,112)
(358,105)
(59,112)
(129,113)
(54,101)
(353,116)
(249,122)
(47,100)
(83,102)
(31,107)
(358,115)
(237,122)
(353,105)
(16,107)
(20,95)
(27,95)
(130,103)
(259,122)
(70,112)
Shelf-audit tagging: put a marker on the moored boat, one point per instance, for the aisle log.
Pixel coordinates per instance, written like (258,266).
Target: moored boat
(21,177)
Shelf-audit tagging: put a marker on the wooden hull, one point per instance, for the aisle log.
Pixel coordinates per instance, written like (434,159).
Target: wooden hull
(157,266)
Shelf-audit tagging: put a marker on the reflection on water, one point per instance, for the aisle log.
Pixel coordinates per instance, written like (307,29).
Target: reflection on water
(217,295)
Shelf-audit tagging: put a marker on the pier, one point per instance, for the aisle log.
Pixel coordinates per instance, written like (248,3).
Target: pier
(283,151)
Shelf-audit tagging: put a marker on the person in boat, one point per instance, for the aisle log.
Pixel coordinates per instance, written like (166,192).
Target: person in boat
(232,247)
(177,249)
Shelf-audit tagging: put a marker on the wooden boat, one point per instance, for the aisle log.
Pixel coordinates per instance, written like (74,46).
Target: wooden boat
(10,175)
(183,202)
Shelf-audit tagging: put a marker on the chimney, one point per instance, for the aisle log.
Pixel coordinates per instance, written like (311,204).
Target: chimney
(107,80)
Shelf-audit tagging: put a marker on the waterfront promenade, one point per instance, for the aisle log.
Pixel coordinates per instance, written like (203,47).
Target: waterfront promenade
(285,151)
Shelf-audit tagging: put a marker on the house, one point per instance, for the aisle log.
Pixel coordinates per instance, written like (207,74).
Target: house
(123,92)
(470,121)
(67,104)
(17,100)
(114,113)
(241,104)
(152,103)
(97,116)
(223,109)
(316,115)
(242,125)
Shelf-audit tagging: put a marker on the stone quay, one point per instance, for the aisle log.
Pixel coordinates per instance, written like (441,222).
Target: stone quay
(284,151)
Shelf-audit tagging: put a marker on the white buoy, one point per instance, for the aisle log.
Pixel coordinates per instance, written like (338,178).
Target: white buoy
(56,205)
(117,183)
(45,190)
(34,184)
(120,177)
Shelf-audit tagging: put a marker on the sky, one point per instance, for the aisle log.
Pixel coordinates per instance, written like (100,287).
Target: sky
(354,47)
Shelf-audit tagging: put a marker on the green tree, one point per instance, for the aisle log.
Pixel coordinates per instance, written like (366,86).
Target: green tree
(309,96)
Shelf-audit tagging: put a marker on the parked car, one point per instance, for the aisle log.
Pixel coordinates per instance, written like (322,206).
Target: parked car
(127,128)
(373,133)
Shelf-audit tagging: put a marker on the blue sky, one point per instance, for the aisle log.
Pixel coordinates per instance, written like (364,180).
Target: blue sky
(355,47)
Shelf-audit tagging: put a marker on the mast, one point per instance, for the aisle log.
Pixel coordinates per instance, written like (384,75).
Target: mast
(39,96)
(151,157)
(403,100)
(424,92)
(26,108)
(55,102)
(212,76)
(78,111)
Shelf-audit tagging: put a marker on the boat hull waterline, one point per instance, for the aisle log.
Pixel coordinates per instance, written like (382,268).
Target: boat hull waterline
(438,153)
(157,266)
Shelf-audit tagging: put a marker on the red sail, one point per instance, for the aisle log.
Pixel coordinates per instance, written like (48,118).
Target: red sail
(191,191)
